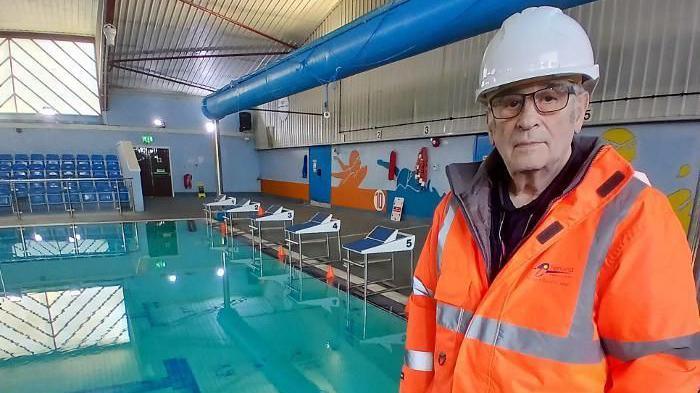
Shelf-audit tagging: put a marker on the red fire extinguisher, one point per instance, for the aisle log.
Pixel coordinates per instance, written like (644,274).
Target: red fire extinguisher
(421,170)
(188,181)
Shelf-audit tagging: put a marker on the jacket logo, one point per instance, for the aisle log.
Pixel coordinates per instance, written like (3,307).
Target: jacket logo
(547,272)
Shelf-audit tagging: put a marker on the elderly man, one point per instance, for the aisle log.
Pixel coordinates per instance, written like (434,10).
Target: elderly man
(551,266)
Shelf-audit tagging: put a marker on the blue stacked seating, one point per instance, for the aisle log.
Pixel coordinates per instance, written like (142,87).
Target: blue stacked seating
(73,191)
(5,196)
(104,191)
(61,179)
(87,192)
(53,173)
(36,173)
(83,159)
(84,173)
(113,166)
(19,174)
(54,193)
(53,159)
(37,194)
(22,159)
(98,166)
(37,159)
(20,166)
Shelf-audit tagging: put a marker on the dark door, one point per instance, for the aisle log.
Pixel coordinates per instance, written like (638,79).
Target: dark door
(155,171)
(320,173)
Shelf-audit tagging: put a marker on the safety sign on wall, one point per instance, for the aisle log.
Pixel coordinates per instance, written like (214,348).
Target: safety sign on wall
(397,209)
(379,200)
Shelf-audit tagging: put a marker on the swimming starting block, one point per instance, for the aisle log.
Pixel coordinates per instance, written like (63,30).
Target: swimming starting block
(319,224)
(221,202)
(244,206)
(381,240)
(274,213)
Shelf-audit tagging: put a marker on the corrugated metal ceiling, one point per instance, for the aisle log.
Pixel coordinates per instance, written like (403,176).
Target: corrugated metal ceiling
(194,29)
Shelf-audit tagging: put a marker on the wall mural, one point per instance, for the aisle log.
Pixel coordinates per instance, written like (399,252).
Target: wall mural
(348,191)
(671,163)
(418,200)
(668,159)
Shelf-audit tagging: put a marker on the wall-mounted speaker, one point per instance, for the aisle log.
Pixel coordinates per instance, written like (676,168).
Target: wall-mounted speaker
(245,121)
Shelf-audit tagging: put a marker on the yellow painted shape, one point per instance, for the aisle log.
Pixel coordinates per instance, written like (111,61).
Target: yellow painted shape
(623,140)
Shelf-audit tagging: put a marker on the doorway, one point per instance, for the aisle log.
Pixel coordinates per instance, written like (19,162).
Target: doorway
(156,178)
(320,174)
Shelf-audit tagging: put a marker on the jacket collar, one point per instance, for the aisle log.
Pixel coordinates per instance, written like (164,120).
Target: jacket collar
(471,183)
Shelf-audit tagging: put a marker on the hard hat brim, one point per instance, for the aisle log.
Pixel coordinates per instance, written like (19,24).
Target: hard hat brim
(588,73)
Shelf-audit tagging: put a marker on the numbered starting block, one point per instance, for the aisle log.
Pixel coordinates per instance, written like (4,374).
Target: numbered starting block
(381,240)
(274,213)
(320,224)
(222,202)
(244,207)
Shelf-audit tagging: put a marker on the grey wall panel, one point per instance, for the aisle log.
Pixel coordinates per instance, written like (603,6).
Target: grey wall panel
(343,13)
(647,51)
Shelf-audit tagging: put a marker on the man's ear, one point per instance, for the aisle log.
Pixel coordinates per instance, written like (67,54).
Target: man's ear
(488,127)
(583,100)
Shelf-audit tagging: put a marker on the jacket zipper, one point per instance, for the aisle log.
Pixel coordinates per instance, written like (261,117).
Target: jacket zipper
(549,208)
(515,251)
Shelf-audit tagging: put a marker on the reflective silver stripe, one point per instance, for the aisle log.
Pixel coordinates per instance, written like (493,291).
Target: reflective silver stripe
(614,212)
(418,360)
(453,318)
(686,347)
(579,346)
(535,343)
(444,230)
(420,289)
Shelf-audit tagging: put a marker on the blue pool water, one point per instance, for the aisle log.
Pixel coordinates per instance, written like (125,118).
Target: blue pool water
(172,307)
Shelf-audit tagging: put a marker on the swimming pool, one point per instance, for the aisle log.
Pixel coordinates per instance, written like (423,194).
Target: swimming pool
(169,306)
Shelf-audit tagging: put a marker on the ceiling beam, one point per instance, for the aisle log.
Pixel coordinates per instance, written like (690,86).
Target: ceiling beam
(109,11)
(206,56)
(165,77)
(192,49)
(239,24)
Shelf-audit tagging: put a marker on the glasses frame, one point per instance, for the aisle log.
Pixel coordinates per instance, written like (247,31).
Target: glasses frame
(570,90)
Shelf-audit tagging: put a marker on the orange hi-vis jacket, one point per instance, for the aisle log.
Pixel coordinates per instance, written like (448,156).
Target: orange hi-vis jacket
(599,298)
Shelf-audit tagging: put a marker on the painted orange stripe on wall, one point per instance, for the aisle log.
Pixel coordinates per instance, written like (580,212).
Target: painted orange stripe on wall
(357,198)
(285,189)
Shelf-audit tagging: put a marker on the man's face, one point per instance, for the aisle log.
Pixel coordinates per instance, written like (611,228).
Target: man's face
(533,140)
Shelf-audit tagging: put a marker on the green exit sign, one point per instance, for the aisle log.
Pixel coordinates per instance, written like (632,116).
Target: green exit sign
(147,139)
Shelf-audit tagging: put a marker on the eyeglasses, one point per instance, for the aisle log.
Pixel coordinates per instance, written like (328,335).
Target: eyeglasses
(547,100)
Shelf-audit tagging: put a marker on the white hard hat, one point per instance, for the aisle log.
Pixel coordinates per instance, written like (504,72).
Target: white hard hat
(537,42)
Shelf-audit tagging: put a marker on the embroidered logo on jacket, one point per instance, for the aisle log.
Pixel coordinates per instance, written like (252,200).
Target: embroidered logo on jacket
(553,274)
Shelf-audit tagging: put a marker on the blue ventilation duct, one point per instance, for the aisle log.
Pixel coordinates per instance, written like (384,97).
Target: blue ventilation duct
(400,29)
